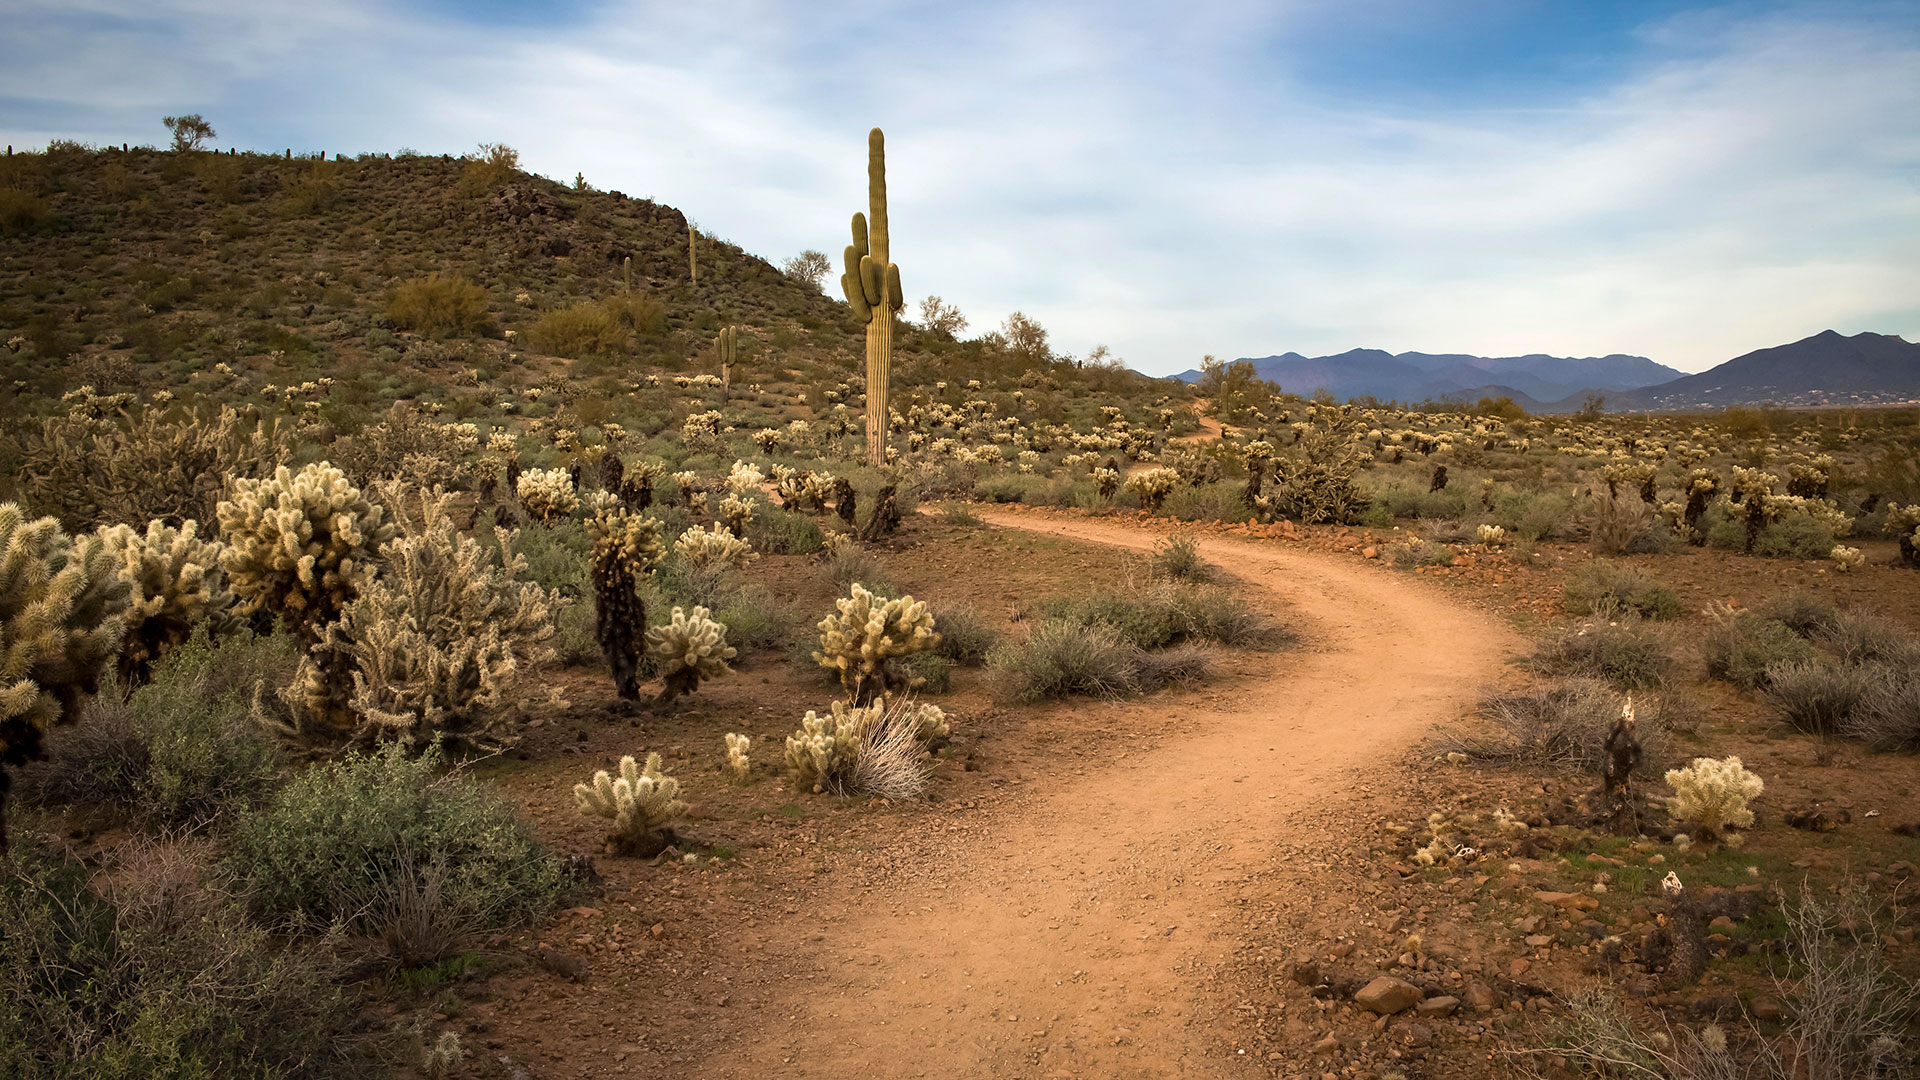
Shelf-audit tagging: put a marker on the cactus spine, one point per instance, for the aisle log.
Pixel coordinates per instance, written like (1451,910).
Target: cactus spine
(872,286)
(727,345)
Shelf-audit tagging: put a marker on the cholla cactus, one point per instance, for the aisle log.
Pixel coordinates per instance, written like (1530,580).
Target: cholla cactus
(1713,794)
(930,726)
(300,545)
(547,495)
(736,512)
(624,548)
(1105,480)
(438,643)
(767,439)
(1490,535)
(701,432)
(689,649)
(643,804)
(62,603)
(718,547)
(1152,486)
(176,584)
(738,764)
(1846,559)
(1903,523)
(822,754)
(867,633)
(743,480)
(636,484)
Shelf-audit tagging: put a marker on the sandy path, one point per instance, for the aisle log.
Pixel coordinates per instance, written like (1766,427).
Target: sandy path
(1070,944)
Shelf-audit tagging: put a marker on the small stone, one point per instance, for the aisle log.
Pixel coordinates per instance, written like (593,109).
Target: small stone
(1387,995)
(1342,950)
(1415,1035)
(658,930)
(1723,925)
(1519,967)
(1537,940)
(1438,1006)
(1327,1045)
(1766,1009)
(1479,995)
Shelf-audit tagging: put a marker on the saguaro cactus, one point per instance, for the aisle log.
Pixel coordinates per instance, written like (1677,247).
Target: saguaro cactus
(872,285)
(693,261)
(727,345)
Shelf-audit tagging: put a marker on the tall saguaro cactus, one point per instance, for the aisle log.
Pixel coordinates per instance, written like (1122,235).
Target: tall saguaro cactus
(728,346)
(693,260)
(872,285)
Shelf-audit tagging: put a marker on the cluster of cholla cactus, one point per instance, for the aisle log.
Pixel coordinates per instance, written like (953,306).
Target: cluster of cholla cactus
(866,634)
(1152,486)
(878,748)
(642,803)
(689,649)
(635,485)
(821,755)
(714,547)
(62,607)
(437,642)
(1637,476)
(300,545)
(547,495)
(624,548)
(176,584)
(1903,522)
(739,765)
(701,432)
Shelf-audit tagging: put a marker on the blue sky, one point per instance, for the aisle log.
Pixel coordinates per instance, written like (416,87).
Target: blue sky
(1681,181)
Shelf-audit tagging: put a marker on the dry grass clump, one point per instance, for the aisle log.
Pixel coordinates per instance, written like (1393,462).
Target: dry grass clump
(1617,647)
(1819,696)
(1603,584)
(580,330)
(1177,558)
(1062,658)
(1619,525)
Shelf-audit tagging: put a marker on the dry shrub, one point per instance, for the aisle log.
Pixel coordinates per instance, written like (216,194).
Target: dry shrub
(1819,696)
(1599,584)
(1743,646)
(1564,726)
(581,330)
(1618,526)
(1617,647)
(1059,658)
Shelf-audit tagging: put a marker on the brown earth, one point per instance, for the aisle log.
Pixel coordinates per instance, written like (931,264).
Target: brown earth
(1076,936)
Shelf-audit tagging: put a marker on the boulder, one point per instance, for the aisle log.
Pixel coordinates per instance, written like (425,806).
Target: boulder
(1387,995)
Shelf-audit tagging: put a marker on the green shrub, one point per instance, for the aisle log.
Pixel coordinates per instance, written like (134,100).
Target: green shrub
(440,305)
(850,563)
(581,330)
(1807,614)
(1221,500)
(1742,646)
(1860,637)
(1796,536)
(956,513)
(1418,552)
(573,642)
(557,557)
(1164,613)
(1617,648)
(183,749)
(21,212)
(1532,515)
(1062,657)
(1819,696)
(775,531)
(964,637)
(1182,665)
(362,842)
(155,971)
(1011,488)
(934,671)
(752,618)
(1598,584)
(1177,558)
(1889,718)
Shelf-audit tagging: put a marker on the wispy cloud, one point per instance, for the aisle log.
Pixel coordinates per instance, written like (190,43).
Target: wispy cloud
(1169,182)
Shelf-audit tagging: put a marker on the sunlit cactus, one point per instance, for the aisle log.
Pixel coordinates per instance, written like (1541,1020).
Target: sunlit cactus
(690,649)
(872,287)
(642,803)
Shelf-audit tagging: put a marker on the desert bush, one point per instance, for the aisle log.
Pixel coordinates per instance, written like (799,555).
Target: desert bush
(867,634)
(643,804)
(1062,657)
(1889,718)
(1563,726)
(752,617)
(437,643)
(1314,479)
(689,649)
(91,471)
(1619,525)
(1805,613)
(1185,665)
(327,849)
(1743,646)
(1712,795)
(1177,558)
(1819,696)
(408,444)
(22,212)
(848,562)
(181,749)
(1796,536)
(62,602)
(964,637)
(578,331)
(154,968)
(1534,515)
(1603,585)
(1419,552)
(1165,613)
(440,305)
(1861,637)
(300,545)
(1218,501)
(783,532)
(1616,647)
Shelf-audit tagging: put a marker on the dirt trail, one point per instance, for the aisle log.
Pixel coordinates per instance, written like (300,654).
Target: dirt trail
(1071,943)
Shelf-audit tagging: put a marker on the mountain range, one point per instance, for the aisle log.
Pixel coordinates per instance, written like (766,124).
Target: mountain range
(1827,368)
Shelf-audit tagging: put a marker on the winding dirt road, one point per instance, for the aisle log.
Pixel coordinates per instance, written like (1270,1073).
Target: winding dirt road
(1070,945)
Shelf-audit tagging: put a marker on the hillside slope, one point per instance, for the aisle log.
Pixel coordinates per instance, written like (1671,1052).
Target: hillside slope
(1828,368)
(1415,376)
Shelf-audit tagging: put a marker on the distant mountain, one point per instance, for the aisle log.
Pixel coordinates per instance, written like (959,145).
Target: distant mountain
(1412,376)
(1828,368)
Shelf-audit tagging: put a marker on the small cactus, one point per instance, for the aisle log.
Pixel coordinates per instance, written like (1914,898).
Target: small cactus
(642,803)
(738,764)
(690,649)
(866,634)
